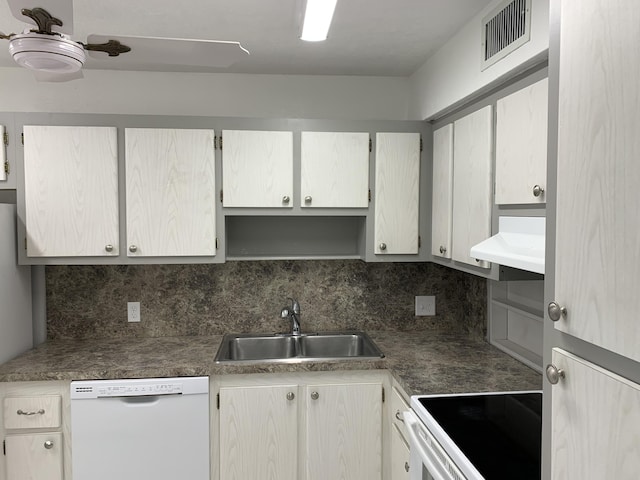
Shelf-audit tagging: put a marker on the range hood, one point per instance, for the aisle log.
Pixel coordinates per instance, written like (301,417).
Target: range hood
(518,244)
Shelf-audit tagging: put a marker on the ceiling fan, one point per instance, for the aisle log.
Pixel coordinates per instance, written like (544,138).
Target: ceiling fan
(46,47)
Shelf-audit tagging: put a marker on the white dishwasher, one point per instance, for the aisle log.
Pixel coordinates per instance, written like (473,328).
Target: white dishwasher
(146,429)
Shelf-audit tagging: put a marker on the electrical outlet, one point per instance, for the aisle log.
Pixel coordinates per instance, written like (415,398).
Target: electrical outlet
(425,305)
(133,311)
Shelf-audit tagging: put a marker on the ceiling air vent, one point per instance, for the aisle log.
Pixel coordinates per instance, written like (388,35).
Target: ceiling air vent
(505,29)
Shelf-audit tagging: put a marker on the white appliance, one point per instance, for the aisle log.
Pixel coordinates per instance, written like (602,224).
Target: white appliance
(478,436)
(146,429)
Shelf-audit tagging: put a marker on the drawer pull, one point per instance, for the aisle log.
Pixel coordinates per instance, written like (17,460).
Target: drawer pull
(39,412)
(399,416)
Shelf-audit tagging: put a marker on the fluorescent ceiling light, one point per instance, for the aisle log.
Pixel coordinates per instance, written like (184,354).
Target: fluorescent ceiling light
(317,20)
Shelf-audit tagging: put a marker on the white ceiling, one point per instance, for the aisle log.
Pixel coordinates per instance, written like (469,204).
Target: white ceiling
(367,37)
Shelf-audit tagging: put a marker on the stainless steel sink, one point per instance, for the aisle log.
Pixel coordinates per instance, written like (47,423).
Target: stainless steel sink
(290,348)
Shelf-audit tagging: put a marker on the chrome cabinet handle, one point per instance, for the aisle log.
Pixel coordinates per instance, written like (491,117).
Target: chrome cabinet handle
(48,444)
(109,248)
(556,311)
(315,395)
(383,246)
(291,396)
(442,249)
(308,199)
(285,199)
(537,190)
(399,416)
(554,374)
(406,466)
(133,248)
(22,412)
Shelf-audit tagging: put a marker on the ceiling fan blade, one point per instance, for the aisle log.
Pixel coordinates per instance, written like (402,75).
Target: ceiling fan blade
(56,77)
(150,51)
(60,9)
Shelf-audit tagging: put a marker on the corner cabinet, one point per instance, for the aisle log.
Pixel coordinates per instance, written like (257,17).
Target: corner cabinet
(171,192)
(257,169)
(521,145)
(292,427)
(71,191)
(472,184)
(397,194)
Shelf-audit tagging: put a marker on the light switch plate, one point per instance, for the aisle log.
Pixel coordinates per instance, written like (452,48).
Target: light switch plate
(425,305)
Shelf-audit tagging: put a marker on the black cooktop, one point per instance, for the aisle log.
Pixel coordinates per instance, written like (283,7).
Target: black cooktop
(500,434)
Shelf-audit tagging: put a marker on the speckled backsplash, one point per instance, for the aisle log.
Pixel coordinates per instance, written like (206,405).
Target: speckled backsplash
(91,301)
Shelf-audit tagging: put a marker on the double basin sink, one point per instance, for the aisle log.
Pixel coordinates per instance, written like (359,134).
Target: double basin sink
(289,348)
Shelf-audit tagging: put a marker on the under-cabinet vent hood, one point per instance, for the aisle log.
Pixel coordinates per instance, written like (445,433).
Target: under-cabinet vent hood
(519,244)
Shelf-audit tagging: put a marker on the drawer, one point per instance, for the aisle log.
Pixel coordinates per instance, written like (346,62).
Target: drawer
(397,405)
(42,411)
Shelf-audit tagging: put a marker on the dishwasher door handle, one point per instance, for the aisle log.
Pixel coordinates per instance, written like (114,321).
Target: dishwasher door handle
(140,401)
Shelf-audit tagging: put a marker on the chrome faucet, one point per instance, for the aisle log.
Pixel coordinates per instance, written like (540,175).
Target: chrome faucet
(292,313)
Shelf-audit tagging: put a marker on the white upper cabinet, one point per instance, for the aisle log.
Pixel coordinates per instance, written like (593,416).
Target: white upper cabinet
(71,191)
(397,193)
(257,168)
(472,182)
(442,204)
(171,192)
(598,199)
(334,169)
(521,145)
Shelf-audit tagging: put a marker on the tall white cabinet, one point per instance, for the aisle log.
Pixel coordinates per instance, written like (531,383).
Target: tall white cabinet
(397,193)
(71,191)
(595,427)
(442,200)
(472,173)
(171,192)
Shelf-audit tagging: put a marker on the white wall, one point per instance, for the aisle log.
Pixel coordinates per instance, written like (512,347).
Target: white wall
(202,94)
(452,75)
(15,292)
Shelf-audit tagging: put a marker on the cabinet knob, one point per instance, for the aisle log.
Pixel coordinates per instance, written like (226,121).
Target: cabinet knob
(315,395)
(291,396)
(308,199)
(399,416)
(48,444)
(285,199)
(406,466)
(537,190)
(554,374)
(556,311)
(442,249)
(109,248)
(383,246)
(133,248)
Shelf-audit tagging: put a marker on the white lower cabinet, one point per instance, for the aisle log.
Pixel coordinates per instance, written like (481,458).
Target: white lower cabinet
(298,428)
(35,424)
(398,441)
(594,423)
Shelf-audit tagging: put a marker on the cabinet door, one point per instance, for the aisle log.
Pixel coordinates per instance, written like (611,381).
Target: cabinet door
(594,423)
(598,200)
(442,205)
(399,456)
(344,432)
(397,194)
(71,191)
(171,192)
(36,456)
(472,149)
(334,169)
(521,145)
(257,169)
(258,433)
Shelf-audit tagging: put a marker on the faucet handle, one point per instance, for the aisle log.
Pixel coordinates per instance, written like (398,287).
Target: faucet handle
(295,306)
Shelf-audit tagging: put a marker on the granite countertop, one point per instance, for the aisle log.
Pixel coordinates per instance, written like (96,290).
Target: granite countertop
(422,362)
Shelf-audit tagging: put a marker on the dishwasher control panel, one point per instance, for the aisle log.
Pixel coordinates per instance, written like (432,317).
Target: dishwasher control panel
(87,389)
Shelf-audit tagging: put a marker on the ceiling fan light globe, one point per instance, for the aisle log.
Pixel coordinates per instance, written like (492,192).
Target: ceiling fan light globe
(47,53)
